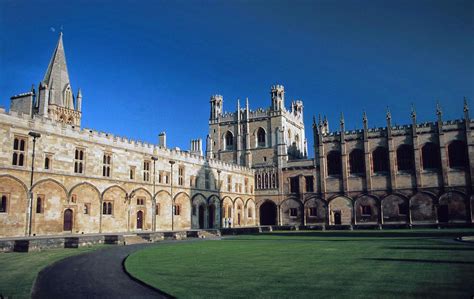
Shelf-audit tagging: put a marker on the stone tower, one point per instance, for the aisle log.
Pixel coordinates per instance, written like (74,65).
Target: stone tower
(55,98)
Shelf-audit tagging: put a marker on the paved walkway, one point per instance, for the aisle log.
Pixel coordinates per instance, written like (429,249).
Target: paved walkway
(98,274)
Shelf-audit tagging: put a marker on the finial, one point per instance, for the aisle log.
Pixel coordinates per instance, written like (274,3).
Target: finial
(342,118)
(466,106)
(389,114)
(364,116)
(438,109)
(413,112)
(247,101)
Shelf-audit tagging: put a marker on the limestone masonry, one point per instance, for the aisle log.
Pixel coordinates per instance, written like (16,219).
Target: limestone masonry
(255,170)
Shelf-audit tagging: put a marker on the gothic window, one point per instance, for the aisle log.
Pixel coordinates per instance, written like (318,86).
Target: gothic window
(261,138)
(294,185)
(181,175)
(140,201)
(39,204)
(246,185)
(229,141)
(457,154)
(313,212)
(132,172)
(107,208)
(70,121)
(289,136)
(229,183)
(79,161)
(334,163)
(19,151)
(297,139)
(380,160)
(146,171)
(48,162)
(157,209)
(87,208)
(3,204)
(309,183)
(356,162)
(405,158)
(293,212)
(207,180)
(430,156)
(106,165)
(177,210)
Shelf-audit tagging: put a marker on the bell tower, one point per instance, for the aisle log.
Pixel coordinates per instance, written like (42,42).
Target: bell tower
(278,97)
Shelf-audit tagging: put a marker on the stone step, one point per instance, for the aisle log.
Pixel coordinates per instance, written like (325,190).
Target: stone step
(133,239)
(208,235)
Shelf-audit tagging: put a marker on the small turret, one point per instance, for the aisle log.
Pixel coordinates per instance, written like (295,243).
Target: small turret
(162,139)
(278,97)
(466,110)
(196,147)
(79,100)
(297,108)
(217,105)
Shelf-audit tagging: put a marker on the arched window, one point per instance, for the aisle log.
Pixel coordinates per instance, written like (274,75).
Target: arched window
(430,156)
(457,154)
(229,141)
(356,162)
(107,208)
(334,163)
(261,137)
(3,204)
(289,136)
(229,211)
(250,214)
(380,159)
(297,138)
(39,205)
(405,158)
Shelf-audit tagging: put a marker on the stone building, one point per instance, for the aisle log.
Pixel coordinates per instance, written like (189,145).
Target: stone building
(392,176)
(255,170)
(86,181)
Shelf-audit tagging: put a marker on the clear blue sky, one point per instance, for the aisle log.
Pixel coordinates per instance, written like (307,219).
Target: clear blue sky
(149,66)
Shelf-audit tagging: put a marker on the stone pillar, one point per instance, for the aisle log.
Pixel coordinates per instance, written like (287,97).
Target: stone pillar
(368,179)
(391,153)
(343,156)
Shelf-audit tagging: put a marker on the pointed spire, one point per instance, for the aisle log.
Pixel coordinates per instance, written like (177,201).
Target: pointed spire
(342,119)
(314,121)
(388,115)
(413,111)
(439,112)
(466,106)
(364,117)
(57,76)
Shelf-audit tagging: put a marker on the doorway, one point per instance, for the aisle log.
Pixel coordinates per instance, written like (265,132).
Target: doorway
(212,215)
(443,213)
(67,220)
(139,220)
(268,213)
(337,218)
(201,216)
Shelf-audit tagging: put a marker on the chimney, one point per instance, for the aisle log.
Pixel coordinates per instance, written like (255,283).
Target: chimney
(162,139)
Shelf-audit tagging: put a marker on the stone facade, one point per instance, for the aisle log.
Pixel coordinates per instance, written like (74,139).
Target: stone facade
(255,170)
(396,175)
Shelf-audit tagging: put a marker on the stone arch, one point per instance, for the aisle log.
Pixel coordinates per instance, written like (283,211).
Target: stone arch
(268,212)
(249,211)
(163,210)
(452,207)
(227,210)
(315,210)
(239,212)
(291,211)
(117,221)
(53,181)
(340,208)
(395,208)
(54,197)
(422,206)
(214,211)
(261,137)
(366,209)
(17,203)
(88,203)
(199,211)
(146,208)
(182,215)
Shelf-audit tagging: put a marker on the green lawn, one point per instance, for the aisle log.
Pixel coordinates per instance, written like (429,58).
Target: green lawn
(404,263)
(19,270)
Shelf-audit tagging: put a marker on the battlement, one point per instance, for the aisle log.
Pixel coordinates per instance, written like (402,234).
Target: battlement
(21,95)
(277,87)
(49,126)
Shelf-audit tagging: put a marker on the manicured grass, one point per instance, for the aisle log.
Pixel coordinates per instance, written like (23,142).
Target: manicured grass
(404,263)
(19,270)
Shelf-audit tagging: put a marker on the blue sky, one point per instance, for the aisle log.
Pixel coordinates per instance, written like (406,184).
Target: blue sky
(151,66)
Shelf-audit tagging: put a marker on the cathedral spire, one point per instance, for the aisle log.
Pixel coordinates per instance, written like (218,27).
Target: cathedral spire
(57,77)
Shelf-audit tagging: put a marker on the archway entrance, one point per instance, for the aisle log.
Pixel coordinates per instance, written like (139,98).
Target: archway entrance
(443,213)
(201,216)
(268,213)
(139,220)
(337,218)
(212,216)
(67,226)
